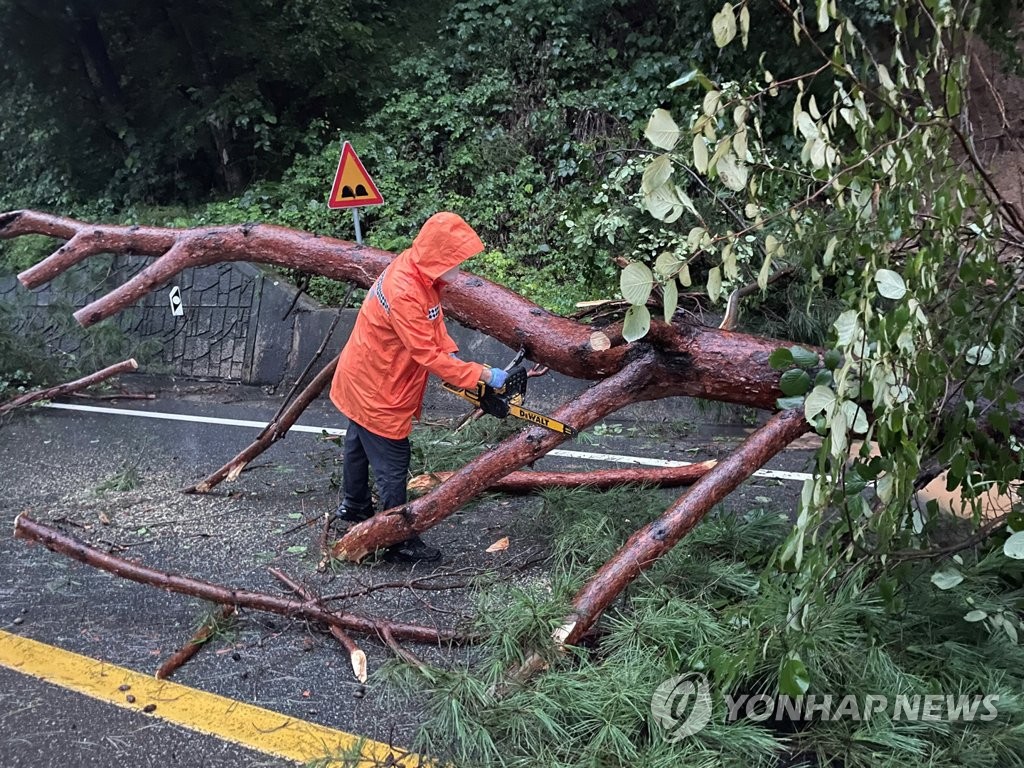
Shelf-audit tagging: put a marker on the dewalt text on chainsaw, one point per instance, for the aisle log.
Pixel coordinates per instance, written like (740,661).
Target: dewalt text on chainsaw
(508,401)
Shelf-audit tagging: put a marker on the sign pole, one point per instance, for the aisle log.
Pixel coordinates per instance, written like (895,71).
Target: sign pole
(355,218)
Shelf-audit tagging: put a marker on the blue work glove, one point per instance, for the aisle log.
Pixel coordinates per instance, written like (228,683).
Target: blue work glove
(498,378)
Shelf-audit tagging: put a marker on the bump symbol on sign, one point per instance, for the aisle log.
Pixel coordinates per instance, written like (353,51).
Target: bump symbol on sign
(176,307)
(353,186)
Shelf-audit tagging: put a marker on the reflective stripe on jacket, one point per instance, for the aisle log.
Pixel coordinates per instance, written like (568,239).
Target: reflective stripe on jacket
(399,337)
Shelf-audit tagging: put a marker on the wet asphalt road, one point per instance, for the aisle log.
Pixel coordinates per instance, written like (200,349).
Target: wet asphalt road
(63,467)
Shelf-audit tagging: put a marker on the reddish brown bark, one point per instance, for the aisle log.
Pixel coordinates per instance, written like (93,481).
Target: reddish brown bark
(645,546)
(649,543)
(530,482)
(696,362)
(355,655)
(274,431)
(195,643)
(69,387)
(390,527)
(27,528)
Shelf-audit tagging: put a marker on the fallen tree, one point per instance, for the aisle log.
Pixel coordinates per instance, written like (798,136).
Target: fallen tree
(673,359)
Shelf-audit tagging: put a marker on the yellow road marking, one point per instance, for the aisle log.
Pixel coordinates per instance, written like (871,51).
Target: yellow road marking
(244,724)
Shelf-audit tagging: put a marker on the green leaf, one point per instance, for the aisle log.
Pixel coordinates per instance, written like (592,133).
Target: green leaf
(781,359)
(947,577)
(711,101)
(804,358)
(729,265)
(820,399)
(975,615)
(979,355)
(765,272)
(656,173)
(714,283)
(890,284)
(794,679)
(823,378)
(723,26)
(636,282)
(1013,547)
(684,79)
(846,326)
(833,359)
(700,154)
(670,301)
(854,483)
(855,417)
(662,130)
(684,276)
(637,323)
(666,265)
(795,382)
(823,15)
(732,173)
(664,203)
(830,250)
(296,550)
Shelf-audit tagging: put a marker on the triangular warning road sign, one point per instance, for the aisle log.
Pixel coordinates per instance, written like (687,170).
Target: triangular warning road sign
(353,187)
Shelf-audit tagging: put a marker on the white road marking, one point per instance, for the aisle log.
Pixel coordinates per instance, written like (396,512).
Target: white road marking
(188,417)
(334,432)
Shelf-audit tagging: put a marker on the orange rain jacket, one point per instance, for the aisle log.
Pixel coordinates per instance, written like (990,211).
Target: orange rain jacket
(399,338)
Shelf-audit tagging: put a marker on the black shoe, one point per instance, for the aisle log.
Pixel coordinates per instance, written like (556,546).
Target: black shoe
(412,550)
(352,515)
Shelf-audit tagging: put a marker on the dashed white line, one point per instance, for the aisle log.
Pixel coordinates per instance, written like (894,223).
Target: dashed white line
(334,432)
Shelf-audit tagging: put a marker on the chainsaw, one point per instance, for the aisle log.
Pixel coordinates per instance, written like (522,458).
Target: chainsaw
(508,400)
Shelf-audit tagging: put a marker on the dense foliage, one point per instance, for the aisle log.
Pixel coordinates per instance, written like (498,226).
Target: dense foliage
(524,117)
(159,102)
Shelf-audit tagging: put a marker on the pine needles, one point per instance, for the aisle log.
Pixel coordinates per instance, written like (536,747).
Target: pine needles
(717,605)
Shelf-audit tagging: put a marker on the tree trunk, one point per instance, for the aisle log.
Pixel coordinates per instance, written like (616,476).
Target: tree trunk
(647,545)
(356,656)
(599,480)
(693,362)
(195,643)
(274,431)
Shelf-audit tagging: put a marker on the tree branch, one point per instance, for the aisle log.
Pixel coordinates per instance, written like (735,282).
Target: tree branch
(27,528)
(71,386)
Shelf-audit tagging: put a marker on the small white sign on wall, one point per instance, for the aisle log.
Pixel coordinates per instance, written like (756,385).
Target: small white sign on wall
(176,306)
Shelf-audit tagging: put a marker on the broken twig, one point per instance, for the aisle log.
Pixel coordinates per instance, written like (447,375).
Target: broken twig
(197,641)
(355,654)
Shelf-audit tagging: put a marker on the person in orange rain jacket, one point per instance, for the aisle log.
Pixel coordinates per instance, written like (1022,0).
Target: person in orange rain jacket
(399,339)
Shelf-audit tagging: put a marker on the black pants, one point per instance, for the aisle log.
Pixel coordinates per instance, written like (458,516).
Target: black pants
(389,459)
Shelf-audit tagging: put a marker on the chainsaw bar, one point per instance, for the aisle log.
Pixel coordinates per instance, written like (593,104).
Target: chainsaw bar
(541,420)
(510,408)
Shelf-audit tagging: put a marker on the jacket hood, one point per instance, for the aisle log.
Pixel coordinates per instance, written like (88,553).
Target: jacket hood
(445,241)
